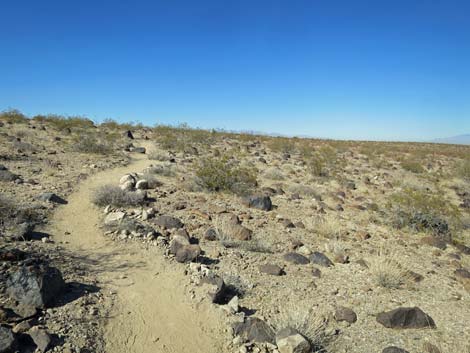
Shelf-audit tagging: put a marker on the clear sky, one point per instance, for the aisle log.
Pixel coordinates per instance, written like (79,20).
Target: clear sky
(396,69)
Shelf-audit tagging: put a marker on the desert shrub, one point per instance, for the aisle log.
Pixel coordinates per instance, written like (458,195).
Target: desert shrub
(324,226)
(167,170)
(387,271)
(61,122)
(422,211)
(222,174)
(282,144)
(274,174)
(7,207)
(316,165)
(304,191)
(183,138)
(13,116)
(158,155)
(115,196)
(310,323)
(91,144)
(412,165)
(463,170)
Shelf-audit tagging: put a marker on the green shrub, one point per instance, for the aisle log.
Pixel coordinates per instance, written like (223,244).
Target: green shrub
(412,165)
(13,116)
(60,122)
(90,144)
(422,210)
(463,170)
(221,174)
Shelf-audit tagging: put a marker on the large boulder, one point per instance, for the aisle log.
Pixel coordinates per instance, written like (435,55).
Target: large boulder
(295,258)
(404,318)
(321,259)
(36,287)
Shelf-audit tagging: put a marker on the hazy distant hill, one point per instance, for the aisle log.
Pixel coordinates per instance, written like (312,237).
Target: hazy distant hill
(458,140)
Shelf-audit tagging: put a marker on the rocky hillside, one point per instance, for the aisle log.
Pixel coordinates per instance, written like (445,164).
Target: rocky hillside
(300,245)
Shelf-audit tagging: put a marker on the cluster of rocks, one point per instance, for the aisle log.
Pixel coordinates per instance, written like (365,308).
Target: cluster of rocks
(30,286)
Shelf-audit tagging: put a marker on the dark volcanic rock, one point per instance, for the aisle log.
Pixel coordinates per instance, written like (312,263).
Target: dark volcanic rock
(51,197)
(6,175)
(296,258)
(321,259)
(219,290)
(128,134)
(36,287)
(168,222)
(255,330)
(187,253)
(406,318)
(270,269)
(345,314)
(259,202)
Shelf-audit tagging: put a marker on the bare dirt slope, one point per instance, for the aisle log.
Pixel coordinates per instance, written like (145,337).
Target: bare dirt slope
(150,310)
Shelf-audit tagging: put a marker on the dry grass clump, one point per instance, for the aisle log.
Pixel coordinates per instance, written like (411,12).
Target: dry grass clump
(167,170)
(412,165)
(115,196)
(463,170)
(273,174)
(304,191)
(158,155)
(223,175)
(325,226)
(310,323)
(388,270)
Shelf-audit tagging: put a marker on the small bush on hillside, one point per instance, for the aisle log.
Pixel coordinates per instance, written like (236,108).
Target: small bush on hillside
(463,170)
(273,174)
(412,166)
(60,122)
(221,174)
(114,196)
(304,191)
(422,211)
(13,116)
(282,145)
(158,156)
(167,170)
(90,144)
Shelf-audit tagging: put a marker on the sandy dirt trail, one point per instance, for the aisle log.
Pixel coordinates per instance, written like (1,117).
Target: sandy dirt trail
(151,312)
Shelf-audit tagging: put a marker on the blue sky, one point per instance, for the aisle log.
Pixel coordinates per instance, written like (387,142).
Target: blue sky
(393,70)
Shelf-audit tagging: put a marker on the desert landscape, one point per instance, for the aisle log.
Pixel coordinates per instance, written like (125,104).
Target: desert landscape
(120,237)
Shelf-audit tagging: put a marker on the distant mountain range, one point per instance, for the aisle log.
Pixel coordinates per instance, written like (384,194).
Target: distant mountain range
(457,140)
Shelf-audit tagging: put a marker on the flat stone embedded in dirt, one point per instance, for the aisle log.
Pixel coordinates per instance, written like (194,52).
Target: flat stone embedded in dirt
(321,259)
(271,269)
(296,258)
(404,318)
(40,337)
(168,222)
(255,330)
(345,314)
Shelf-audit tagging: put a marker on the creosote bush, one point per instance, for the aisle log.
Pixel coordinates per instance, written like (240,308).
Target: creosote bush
(13,116)
(421,210)
(223,175)
(412,165)
(463,170)
(91,144)
(115,196)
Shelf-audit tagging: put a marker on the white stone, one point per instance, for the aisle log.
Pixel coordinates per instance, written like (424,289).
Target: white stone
(142,184)
(127,178)
(114,218)
(293,344)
